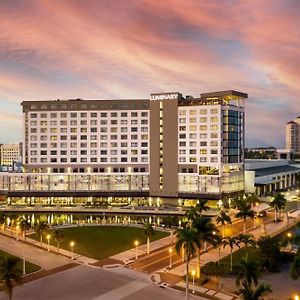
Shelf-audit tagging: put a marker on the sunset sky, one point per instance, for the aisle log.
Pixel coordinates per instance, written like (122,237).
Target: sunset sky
(115,49)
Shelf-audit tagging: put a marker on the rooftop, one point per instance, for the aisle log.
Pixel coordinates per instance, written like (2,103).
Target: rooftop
(275,170)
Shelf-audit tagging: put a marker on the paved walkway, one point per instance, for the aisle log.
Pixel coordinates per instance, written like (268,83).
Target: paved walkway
(129,255)
(38,251)
(46,260)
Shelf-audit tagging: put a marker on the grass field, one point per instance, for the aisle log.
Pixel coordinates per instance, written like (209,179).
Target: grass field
(30,268)
(224,268)
(100,242)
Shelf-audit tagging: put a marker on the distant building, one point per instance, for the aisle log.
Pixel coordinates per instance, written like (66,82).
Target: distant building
(292,138)
(261,153)
(264,176)
(10,154)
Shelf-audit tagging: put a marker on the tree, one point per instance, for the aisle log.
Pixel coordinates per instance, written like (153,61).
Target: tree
(248,272)
(196,211)
(250,293)
(24,225)
(207,232)
(231,242)
(278,203)
(148,231)
(247,240)
(270,252)
(187,240)
(10,273)
(41,229)
(244,212)
(58,237)
(224,219)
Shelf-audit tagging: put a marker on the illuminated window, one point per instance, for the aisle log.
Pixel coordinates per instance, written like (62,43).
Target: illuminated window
(203,111)
(203,127)
(203,120)
(203,151)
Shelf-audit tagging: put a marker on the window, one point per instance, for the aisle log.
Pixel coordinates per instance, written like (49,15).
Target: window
(93,152)
(193,151)
(134,144)
(193,120)
(193,159)
(113,152)
(214,111)
(182,144)
(203,159)
(124,114)
(214,135)
(214,159)
(143,144)
(182,136)
(114,122)
(182,159)
(103,152)
(123,145)
(93,115)
(83,122)
(182,120)
(33,116)
(63,115)
(83,137)
(203,151)
(144,122)
(193,112)
(134,114)
(73,122)
(63,122)
(182,113)
(214,119)
(134,129)
(203,127)
(214,143)
(144,151)
(83,115)
(182,151)
(73,115)
(123,122)
(203,111)
(203,144)
(193,135)
(203,120)
(213,127)
(144,114)
(203,135)
(93,122)
(53,115)
(113,114)
(103,115)
(214,151)
(192,144)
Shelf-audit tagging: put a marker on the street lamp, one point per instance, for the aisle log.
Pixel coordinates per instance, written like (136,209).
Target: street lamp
(296,297)
(24,265)
(289,235)
(72,249)
(17,231)
(193,274)
(136,243)
(48,239)
(170,251)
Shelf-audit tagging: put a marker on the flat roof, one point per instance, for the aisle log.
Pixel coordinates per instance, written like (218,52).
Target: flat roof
(222,94)
(275,170)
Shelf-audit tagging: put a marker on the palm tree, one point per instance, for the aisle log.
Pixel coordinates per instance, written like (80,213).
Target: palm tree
(58,237)
(24,225)
(10,273)
(247,240)
(187,240)
(244,212)
(196,211)
(231,242)
(41,229)
(207,232)
(148,231)
(278,203)
(248,273)
(224,219)
(250,293)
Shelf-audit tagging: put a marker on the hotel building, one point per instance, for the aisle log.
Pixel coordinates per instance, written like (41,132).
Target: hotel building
(165,146)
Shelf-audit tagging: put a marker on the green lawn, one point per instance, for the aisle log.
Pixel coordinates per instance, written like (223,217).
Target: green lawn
(100,242)
(224,268)
(30,268)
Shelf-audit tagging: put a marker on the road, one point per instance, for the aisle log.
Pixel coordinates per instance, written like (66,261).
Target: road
(161,259)
(86,283)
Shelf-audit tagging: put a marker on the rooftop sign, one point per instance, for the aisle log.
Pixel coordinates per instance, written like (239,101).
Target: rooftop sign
(169,96)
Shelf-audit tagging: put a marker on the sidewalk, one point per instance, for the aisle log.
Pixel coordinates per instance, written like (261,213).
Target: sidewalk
(129,255)
(46,260)
(50,259)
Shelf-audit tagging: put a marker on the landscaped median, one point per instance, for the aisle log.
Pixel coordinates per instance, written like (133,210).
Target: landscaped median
(99,242)
(29,267)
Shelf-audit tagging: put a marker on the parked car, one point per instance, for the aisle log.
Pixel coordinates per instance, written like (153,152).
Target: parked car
(262,214)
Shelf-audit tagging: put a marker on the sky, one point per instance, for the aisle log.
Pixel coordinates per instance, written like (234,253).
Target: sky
(119,49)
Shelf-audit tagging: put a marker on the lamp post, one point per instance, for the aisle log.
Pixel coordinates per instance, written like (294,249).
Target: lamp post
(193,274)
(170,251)
(48,240)
(24,265)
(72,249)
(289,235)
(136,243)
(17,232)
(298,195)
